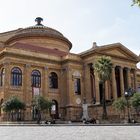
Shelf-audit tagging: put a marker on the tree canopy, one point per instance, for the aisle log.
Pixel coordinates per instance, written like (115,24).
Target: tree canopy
(136,2)
(120,104)
(135,101)
(13,103)
(41,103)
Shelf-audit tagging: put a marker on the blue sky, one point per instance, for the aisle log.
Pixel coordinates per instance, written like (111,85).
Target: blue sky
(81,21)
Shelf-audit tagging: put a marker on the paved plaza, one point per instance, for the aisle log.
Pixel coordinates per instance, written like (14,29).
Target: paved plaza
(69,132)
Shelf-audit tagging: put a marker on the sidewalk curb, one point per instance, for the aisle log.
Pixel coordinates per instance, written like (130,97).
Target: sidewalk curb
(72,124)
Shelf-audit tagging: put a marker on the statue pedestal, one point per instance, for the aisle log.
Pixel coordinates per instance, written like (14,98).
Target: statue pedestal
(85,112)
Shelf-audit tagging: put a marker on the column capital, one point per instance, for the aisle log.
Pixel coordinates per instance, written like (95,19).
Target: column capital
(127,68)
(86,65)
(6,63)
(27,65)
(114,65)
(121,67)
(46,68)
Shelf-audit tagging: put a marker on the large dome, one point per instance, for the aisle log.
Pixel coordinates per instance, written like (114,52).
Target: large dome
(38,30)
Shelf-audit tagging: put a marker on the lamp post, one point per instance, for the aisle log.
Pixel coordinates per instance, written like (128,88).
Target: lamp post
(127,96)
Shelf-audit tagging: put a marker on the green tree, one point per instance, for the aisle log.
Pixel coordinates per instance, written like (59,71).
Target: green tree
(120,105)
(12,105)
(135,102)
(103,67)
(41,104)
(136,2)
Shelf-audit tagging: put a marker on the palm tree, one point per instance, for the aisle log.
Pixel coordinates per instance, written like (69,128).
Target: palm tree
(103,67)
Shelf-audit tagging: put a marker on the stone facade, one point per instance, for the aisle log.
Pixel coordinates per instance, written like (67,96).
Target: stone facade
(46,51)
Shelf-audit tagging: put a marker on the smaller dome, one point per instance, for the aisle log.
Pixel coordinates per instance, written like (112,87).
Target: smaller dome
(39,30)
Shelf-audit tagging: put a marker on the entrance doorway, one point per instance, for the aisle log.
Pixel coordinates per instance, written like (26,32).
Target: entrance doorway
(101,92)
(54,110)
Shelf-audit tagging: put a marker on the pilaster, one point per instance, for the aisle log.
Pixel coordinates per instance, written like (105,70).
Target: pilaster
(7,77)
(135,80)
(27,84)
(45,81)
(87,88)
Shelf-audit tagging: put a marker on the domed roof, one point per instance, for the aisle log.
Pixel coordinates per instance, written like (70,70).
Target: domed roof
(39,30)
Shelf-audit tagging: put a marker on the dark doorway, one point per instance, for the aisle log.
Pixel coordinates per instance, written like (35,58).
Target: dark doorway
(101,92)
(117,75)
(125,79)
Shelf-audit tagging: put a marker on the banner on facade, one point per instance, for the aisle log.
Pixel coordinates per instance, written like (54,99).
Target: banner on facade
(35,91)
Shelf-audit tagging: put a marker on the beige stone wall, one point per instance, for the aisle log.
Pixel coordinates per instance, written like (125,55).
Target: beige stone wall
(24,92)
(46,43)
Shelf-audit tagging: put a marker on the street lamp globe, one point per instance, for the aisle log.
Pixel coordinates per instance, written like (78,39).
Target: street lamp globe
(126,94)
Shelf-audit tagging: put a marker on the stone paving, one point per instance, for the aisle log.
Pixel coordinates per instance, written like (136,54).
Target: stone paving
(69,132)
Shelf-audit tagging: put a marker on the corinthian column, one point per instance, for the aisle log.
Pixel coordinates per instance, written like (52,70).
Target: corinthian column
(121,81)
(114,89)
(129,78)
(135,85)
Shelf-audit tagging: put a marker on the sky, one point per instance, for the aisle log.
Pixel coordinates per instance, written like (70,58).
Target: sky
(81,21)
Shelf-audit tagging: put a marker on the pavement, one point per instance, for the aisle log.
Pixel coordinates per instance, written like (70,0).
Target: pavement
(69,132)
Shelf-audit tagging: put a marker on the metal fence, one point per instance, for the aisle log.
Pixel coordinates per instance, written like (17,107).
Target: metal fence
(25,116)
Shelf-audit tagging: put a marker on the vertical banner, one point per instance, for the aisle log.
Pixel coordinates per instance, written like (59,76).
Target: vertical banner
(36,91)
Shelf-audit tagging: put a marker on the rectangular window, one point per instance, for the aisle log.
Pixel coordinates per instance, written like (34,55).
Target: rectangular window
(77,86)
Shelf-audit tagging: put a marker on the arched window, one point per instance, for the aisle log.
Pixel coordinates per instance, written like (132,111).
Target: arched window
(53,80)
(16,77)
(77,82)
(2,77)
(36,78)
(77,86)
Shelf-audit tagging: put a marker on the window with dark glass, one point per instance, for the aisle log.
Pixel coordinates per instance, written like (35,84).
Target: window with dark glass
(36,78)
(16,77)
(2,77)
(77,86)
(53,80)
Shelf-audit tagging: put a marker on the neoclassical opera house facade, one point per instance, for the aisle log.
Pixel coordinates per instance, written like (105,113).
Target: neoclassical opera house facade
(37,60)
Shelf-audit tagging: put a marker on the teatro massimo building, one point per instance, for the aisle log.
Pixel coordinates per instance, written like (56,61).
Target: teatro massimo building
(37,60)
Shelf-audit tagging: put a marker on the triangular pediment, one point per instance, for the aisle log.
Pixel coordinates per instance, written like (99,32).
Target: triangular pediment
(118,50)
(117,53)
